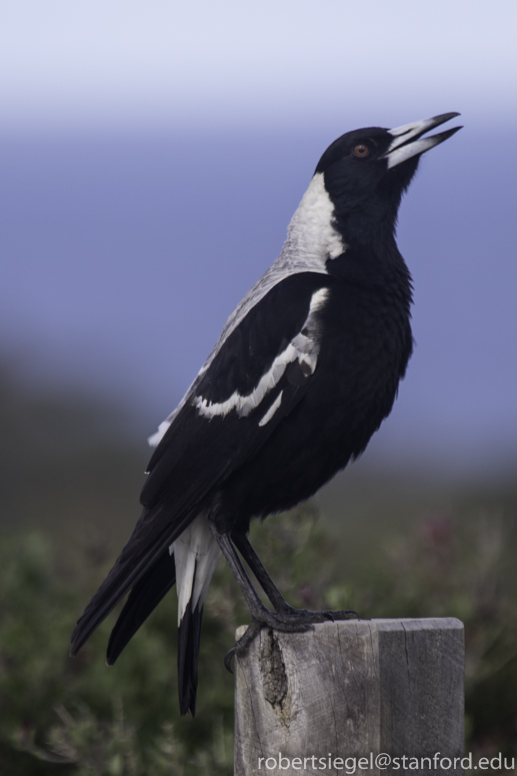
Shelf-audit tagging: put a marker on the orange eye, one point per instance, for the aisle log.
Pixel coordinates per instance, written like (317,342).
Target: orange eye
(361,150)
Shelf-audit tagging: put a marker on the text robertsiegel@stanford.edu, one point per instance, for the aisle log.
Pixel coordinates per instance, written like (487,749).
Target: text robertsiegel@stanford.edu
(383,761)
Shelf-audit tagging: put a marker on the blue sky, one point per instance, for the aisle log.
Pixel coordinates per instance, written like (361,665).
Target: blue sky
(104,63)
(153,153)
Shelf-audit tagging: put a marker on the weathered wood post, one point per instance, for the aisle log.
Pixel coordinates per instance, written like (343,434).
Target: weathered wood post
(318,702)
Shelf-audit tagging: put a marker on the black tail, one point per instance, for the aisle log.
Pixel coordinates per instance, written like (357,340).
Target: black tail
(146,550)
(143,599)
(189,634)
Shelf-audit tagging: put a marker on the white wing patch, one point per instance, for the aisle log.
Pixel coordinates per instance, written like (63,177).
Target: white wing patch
(157,437)
(311,240)
(304,348)
(271,411)
(318,300)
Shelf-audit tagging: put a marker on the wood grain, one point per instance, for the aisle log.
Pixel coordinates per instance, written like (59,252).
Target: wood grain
(348,689)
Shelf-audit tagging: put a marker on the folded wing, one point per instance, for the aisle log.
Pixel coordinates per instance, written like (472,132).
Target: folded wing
(258,374)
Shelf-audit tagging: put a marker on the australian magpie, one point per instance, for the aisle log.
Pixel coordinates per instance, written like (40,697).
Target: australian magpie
(305,371)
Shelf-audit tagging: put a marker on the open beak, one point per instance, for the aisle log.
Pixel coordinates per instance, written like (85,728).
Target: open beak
(408,140)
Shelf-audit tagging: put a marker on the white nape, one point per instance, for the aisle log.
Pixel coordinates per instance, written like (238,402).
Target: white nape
(311,235)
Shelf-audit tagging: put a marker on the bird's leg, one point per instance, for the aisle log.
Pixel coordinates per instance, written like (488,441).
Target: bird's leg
(247,551)
(286,618)
(261,617)
(258,611)
(255,605)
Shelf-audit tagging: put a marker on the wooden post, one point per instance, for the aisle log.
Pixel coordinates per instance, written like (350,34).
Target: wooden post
(318,702)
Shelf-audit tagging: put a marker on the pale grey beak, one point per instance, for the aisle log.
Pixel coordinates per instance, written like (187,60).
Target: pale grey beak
(408,140)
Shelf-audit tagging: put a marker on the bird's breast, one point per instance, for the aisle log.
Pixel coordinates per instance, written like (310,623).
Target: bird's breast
(365,343)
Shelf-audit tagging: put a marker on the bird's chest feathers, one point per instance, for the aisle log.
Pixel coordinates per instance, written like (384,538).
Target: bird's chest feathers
(365,338)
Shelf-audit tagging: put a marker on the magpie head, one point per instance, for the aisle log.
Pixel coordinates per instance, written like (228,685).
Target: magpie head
(367,171)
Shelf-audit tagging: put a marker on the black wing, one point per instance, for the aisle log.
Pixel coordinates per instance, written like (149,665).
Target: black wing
(258,375)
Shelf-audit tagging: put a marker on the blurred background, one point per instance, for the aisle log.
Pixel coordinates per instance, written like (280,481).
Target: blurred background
(151,157)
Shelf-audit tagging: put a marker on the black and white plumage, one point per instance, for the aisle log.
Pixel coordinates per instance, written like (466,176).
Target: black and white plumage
(305,371)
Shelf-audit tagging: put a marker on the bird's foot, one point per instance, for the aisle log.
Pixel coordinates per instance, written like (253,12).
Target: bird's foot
(289,620)
(307,616)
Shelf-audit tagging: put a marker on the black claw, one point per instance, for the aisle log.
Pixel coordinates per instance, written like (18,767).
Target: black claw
(343,614)
(228,659)
(250,633)
(295,621)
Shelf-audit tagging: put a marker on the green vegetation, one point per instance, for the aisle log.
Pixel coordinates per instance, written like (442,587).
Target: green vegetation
(69,493)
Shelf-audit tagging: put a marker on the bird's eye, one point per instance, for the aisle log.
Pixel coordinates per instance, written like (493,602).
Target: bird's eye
(361,150)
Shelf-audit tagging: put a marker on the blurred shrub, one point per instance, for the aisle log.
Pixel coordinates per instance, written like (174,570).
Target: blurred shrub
(78,717)
(452,568)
